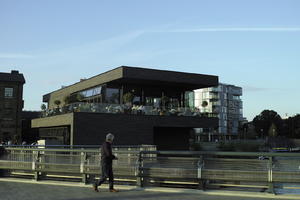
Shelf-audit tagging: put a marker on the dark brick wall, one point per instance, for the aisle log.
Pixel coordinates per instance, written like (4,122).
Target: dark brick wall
(11,107)
(91,128)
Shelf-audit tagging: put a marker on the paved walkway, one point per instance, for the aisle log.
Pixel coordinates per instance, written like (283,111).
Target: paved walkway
(16,189)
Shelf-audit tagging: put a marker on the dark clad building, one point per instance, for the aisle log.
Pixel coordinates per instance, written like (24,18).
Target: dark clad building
(137,105)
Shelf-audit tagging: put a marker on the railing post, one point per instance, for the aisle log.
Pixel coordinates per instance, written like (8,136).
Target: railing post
(200,177)
(139,171)
(35,160)
(270,176)
(82,166)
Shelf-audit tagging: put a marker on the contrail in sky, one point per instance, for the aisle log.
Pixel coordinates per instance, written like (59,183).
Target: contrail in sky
(236,29)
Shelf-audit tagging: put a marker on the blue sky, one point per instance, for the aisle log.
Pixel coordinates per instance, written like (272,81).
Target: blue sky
(254,44)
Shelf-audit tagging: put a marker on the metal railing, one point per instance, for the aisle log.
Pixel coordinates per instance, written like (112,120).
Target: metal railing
(143,166)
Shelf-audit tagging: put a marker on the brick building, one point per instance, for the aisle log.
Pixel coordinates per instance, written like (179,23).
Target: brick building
(11,105)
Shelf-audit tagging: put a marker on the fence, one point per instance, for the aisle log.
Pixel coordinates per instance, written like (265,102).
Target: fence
(143,166)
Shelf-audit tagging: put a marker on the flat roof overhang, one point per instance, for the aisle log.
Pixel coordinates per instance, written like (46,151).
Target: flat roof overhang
(143,76)
(153,77)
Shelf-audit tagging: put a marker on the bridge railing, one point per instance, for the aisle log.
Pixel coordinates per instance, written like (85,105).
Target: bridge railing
(204,167)
(143,166)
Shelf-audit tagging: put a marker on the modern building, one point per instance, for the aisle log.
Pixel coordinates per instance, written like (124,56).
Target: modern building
(137,105)
(11,105)
(225,101)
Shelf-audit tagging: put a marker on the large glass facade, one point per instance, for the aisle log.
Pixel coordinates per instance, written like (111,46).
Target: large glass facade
(112,95)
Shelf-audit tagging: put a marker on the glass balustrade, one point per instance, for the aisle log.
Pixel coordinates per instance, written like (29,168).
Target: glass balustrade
(128,109)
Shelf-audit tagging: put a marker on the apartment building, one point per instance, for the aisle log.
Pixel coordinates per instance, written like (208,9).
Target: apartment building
(225,101)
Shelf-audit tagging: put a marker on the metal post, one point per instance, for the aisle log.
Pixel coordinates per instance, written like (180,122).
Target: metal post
(139,171)
(36,157)
(82,167)
(270,176)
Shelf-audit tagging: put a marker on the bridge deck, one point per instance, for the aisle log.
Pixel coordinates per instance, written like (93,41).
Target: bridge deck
(19,189)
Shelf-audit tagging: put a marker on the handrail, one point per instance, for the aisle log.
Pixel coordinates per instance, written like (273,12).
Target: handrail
(223,153)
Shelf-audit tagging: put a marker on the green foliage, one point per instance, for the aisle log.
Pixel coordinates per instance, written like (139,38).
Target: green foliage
(128,97)
(43,107)
(272,130)
(77,97)
(196,147)
(226,146)
(264,120)
(292,126)
(247,147)
(57,102)
(241,146)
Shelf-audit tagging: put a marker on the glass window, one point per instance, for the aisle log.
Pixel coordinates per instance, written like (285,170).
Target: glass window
(149,101)
(137,100)
(8,92)
(156,102)
(112,95)
(91,92)
(189,99)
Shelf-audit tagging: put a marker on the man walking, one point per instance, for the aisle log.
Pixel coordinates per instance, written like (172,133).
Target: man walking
(106,163)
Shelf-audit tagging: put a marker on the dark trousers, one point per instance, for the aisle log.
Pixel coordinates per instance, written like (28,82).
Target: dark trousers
(107,172)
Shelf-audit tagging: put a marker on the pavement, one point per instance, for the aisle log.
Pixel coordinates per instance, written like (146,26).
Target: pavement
(25,189)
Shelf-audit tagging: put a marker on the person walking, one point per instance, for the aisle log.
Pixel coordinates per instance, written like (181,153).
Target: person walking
(106,163)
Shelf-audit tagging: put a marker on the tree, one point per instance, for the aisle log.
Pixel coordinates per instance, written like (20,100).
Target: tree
(292,126)
(272,130)
(43,107)
(264,120)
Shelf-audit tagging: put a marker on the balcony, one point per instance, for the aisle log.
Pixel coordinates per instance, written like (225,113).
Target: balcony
(127,109)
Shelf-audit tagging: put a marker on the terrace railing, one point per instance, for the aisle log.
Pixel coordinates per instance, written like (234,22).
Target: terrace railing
(125,109)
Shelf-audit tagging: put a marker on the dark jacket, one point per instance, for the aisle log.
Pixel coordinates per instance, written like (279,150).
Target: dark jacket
(106,153)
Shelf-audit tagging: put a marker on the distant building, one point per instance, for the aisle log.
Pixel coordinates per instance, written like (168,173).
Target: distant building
(11,105)
(225,101)
(137,105)
(29,135)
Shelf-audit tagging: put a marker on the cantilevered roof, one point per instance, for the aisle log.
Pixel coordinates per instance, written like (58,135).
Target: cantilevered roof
(163,77)
(142,76)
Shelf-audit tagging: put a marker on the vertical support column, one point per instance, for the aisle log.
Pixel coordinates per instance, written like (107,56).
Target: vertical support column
(143,97)
(121,94)
(82,166)
(270,176)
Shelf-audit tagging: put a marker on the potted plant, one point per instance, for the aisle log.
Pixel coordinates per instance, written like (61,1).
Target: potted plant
(57,103)
(127,98)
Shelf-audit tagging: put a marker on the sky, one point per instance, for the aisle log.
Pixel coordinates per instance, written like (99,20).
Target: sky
(254,44)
